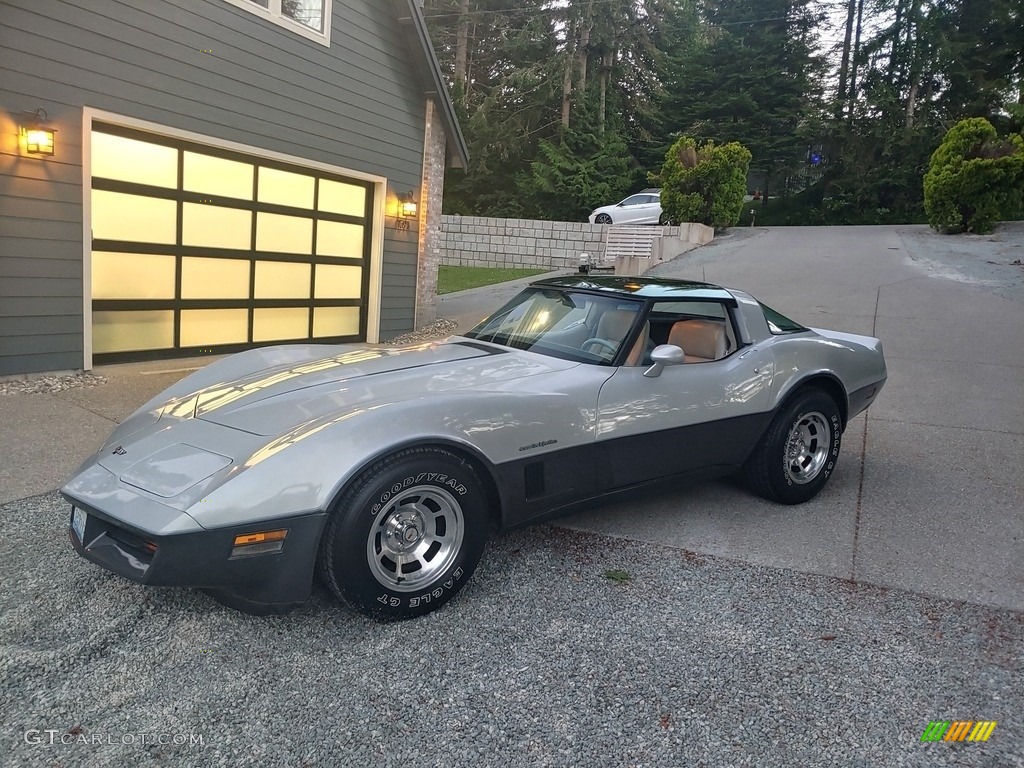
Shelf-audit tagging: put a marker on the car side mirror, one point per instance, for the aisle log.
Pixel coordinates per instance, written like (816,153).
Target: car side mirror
(662,355)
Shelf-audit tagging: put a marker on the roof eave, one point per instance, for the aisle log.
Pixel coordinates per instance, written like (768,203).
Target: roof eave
(414,28)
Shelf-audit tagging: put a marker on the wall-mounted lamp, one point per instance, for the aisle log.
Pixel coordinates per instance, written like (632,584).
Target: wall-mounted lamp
(37,133)
(407,207)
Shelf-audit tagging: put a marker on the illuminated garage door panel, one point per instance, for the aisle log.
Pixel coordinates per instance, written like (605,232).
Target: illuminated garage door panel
(280,324)
(204,278)
(335,321)
(202,327)
(132,331)
(197,249)
(132,276)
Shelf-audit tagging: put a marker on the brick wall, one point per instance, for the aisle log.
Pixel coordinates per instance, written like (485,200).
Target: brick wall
(478,241)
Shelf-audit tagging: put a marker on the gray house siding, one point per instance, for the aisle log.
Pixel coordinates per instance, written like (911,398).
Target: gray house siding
(356,105)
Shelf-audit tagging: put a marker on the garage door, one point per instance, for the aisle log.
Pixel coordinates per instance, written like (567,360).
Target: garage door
(198,250)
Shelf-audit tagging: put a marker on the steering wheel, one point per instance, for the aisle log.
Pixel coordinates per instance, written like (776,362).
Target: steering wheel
(600,342)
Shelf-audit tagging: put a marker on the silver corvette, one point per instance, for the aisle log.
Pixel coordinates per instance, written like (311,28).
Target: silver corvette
(384,469)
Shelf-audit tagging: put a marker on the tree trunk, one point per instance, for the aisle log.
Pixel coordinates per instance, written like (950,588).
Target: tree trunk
(914,75)
(469,63)
(844,66)
(462,48)
(853,66)
(897,32)
(582,53)
(570,61)
(602,106)
(911,100)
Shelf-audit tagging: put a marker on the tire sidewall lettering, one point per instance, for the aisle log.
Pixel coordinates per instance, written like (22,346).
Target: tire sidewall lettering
(449,483)
(433,594)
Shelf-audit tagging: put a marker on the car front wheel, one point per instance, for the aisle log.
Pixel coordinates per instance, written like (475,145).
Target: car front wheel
(406,535)
(602,218)
(798,453)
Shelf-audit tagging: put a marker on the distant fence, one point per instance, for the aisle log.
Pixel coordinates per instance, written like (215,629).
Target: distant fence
(479,241)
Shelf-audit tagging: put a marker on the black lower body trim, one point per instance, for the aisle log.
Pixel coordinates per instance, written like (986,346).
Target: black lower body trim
(861,398)
(554,483)
(264,583)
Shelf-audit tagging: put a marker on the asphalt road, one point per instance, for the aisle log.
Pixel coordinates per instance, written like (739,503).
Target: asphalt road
(737,632)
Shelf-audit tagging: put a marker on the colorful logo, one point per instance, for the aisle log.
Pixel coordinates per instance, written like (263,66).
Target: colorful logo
(958,730)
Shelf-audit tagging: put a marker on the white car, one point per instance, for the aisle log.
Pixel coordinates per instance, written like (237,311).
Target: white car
(641,208)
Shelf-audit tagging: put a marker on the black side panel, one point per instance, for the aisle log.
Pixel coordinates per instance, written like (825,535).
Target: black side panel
(532,486)
(538,485)
(641,458)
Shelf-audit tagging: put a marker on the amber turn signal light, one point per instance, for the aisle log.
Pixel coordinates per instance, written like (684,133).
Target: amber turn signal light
(259,543)
(258,538)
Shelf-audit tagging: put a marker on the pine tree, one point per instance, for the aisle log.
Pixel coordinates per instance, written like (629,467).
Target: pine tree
(753,78)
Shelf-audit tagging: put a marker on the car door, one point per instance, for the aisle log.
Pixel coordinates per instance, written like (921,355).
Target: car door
(692,416)
(631,210)
(649,211)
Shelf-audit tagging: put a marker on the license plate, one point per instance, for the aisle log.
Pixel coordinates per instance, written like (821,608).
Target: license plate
(78,518)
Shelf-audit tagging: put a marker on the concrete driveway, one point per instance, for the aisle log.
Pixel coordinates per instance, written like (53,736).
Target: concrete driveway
(929,493)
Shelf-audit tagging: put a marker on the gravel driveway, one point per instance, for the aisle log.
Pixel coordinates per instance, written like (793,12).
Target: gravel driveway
(543,660)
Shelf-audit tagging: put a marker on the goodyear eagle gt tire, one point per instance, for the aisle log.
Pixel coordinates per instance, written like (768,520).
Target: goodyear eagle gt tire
(406,534)
(799,451)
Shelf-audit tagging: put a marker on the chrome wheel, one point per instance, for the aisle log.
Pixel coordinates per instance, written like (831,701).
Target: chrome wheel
(807,447)
(602,218)
(415,538)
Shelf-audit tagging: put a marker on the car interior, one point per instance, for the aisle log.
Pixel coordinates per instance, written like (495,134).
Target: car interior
(702,329)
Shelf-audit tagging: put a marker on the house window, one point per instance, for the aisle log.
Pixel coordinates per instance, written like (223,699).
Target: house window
(309,18)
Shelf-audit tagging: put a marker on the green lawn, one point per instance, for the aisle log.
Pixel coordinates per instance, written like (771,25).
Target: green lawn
(451,279)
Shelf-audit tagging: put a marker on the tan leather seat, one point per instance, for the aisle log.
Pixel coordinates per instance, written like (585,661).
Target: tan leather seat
(701,340)
(613,327)
(614,324)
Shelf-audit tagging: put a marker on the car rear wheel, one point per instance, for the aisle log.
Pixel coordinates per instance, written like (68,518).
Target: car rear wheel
(602,218)
(798,453)
(406,534)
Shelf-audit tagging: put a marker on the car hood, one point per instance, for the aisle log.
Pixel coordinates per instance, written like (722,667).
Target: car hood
(273,401)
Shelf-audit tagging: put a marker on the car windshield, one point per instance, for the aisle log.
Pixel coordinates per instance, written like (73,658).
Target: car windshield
(565,324)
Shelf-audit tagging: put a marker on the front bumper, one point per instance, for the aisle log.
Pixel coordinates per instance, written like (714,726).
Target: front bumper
(266,583)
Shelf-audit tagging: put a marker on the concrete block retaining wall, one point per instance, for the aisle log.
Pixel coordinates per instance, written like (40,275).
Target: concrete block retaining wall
(483,241)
